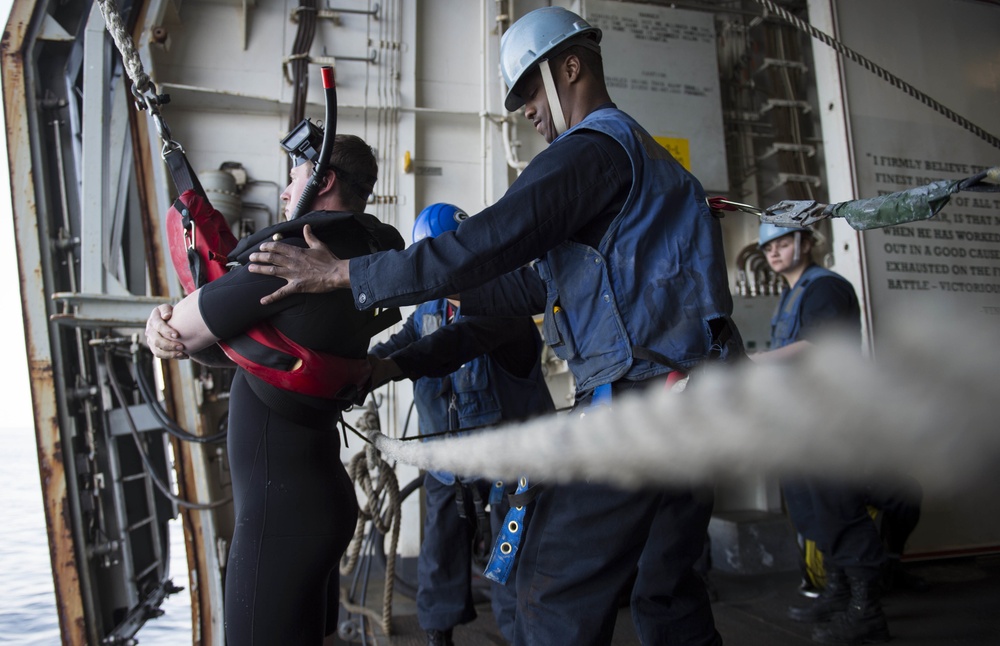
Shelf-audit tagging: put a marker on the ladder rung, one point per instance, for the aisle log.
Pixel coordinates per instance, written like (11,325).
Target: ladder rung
(141,523)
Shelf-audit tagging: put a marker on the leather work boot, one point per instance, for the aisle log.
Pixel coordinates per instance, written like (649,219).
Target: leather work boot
(833,598)
(439,638)
(862,623)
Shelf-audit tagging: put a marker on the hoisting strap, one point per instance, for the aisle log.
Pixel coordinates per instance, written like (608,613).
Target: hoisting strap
(181,172)
(903,207)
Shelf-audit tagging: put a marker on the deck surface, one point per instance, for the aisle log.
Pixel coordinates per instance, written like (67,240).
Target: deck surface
(960,606)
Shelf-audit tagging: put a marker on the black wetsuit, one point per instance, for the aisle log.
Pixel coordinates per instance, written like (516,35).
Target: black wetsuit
(295,504)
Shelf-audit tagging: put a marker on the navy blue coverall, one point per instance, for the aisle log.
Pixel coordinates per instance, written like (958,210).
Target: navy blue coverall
(668,284)
(468,372)
(832,514)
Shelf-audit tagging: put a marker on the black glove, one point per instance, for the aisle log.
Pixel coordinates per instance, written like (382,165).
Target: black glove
(383,371)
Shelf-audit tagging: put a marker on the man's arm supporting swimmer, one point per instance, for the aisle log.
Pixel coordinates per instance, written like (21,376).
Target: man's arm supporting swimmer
(312,270)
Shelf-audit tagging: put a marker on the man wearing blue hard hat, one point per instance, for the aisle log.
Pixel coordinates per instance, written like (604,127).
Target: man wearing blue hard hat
(469,372)
(632,281)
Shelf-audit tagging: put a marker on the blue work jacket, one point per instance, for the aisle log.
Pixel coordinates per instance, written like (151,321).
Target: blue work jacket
(656,280)
(787,318)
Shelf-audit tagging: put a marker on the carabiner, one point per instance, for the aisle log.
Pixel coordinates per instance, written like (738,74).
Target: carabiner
(722,204)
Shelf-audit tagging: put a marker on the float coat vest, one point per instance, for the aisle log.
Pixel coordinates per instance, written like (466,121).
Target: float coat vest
(480,393)
(787,318)
(640,304)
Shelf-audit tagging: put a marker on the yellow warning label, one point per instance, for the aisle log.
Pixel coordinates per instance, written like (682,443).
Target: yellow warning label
(679,148)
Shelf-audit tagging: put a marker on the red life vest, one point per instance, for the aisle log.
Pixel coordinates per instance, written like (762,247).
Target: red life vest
(200,242)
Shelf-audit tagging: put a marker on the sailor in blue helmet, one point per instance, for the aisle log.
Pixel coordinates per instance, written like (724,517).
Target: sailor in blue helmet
(632,281)
(832,514)
(817,298)
(469,372)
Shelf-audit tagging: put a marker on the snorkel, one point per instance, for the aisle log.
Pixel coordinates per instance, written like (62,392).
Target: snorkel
(329,132)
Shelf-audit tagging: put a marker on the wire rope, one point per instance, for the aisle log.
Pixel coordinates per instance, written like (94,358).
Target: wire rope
(880,72)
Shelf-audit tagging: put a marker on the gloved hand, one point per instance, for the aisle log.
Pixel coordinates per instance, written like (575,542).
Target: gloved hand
(383,371)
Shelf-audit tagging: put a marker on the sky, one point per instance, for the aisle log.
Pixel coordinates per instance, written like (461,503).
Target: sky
(16,397)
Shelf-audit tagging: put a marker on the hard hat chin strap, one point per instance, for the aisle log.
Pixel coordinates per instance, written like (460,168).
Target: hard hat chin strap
(555,107)
(798,248)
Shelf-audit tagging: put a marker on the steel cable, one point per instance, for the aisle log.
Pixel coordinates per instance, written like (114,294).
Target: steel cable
(880,72)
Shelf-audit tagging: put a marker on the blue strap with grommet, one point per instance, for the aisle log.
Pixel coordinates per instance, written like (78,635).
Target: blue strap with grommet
(496,493)
(505,548)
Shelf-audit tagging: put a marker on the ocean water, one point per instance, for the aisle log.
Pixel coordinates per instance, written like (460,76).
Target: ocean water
(27,598)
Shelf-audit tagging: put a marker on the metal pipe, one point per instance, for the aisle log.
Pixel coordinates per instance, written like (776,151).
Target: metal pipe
(507,128)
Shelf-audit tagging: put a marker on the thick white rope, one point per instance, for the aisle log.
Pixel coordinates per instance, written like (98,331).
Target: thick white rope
(927,409)
(123,41)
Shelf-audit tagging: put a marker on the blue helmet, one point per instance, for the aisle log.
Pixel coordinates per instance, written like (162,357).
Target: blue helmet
(436,219)
(769,232)
(540,34)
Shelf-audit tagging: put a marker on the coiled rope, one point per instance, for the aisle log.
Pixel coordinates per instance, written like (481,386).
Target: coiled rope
(377,480)
(880,72)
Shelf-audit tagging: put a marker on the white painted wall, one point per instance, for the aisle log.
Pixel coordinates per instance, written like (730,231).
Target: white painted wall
(879,140)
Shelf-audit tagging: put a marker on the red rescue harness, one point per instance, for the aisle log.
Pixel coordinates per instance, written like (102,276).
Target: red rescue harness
(200,241)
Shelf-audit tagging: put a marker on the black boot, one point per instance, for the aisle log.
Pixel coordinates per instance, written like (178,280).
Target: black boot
(862,623)
(834,598)
(439,638)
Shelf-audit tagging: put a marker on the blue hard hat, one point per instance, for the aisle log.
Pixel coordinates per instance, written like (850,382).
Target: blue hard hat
(769,232)
(537,35)
(436,219)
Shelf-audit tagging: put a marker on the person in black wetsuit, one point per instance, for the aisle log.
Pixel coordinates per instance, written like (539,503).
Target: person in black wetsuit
(294,502)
